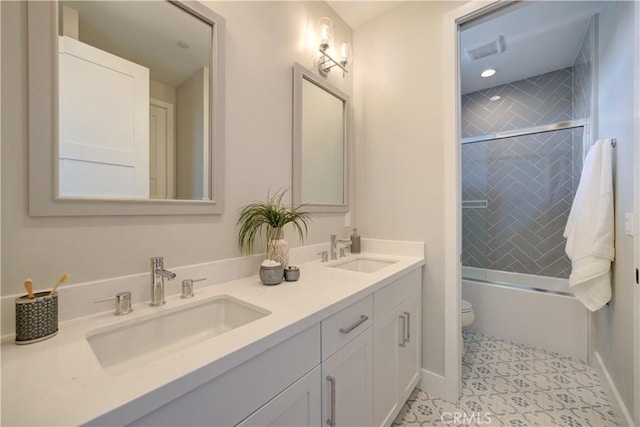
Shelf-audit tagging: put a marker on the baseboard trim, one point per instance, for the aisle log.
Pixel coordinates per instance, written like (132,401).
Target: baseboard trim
(433,384)
(614,397)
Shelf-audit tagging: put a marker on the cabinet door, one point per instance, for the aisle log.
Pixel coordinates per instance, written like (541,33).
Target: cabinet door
(410,354)
(347,384)
(297,406)
(386,385)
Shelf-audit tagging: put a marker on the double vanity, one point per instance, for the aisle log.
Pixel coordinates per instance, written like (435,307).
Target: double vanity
(341,346)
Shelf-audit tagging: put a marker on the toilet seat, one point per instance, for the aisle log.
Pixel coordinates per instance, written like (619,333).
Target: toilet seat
(466,306)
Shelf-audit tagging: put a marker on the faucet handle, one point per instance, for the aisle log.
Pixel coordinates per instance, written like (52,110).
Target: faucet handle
(324,256)
(123,303)
(187,287)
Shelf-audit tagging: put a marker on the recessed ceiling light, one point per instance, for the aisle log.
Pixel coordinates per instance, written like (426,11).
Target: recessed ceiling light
(183,44)
(488,72)
(494,98)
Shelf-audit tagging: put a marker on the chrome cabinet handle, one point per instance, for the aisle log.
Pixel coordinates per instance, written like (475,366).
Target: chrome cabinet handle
(357,323)
(408,325)
(404,331)
(332,417)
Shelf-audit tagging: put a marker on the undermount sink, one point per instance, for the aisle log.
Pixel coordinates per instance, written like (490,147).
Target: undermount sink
(364,265)
(126,347)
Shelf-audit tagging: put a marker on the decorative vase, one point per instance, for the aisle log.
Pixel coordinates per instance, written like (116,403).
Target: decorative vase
(278,249)
(271,275)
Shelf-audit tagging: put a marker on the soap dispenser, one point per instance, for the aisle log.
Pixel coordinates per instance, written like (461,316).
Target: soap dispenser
(355,242)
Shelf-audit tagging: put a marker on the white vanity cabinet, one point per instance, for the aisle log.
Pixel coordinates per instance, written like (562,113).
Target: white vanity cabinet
(356,367)
(410,352)
(347,366)
(397,346)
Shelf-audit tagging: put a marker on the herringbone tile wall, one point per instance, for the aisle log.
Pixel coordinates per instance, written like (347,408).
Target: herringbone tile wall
(528,181)
(530,102)
(581,85)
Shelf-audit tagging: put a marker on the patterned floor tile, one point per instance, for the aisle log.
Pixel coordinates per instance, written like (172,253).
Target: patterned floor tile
(509,384)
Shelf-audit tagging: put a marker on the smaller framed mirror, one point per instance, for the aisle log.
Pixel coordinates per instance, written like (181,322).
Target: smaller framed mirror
(320,144)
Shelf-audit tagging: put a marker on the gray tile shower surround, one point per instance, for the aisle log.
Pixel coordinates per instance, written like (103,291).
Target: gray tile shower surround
(528,181)
(527,184)
(508,384)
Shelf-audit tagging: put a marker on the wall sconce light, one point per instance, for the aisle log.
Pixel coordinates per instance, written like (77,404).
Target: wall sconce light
(327,60)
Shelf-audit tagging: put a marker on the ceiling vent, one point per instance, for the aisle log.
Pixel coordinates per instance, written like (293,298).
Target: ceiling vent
(496,46)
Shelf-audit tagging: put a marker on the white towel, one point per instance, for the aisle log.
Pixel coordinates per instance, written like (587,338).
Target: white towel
(590,229)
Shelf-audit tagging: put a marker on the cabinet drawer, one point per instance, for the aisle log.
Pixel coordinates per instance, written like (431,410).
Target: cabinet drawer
(393,294)
(345,325)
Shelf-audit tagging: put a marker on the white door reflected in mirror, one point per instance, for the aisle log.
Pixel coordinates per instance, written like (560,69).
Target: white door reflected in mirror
(103,144)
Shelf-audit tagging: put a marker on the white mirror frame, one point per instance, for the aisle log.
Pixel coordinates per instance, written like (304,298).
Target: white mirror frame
(300,74)
(43,127)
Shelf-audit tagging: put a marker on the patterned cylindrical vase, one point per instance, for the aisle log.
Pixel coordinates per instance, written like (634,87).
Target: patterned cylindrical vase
(278,250)
(36,318)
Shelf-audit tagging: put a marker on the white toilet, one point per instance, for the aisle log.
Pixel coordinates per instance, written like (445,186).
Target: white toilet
(467,313)
(467,318)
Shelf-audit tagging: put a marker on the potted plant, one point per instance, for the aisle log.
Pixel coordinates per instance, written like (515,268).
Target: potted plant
(267,219)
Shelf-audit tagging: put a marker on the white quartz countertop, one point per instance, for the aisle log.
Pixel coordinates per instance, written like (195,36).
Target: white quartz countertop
(59,381)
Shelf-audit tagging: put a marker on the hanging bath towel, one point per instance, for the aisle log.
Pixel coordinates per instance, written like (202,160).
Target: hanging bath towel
(589,231)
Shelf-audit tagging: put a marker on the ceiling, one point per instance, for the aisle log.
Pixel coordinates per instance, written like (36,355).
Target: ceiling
(356,13)
(539,36)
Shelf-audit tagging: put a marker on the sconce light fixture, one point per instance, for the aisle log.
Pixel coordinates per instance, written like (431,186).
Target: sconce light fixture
(327,60)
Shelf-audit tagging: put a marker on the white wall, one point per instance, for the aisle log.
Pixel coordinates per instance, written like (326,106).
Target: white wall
(399,145)
(264,39)
(613,325)
(162,92)
(192,109)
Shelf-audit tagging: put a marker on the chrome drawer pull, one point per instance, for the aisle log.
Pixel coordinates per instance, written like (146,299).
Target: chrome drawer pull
(332,417)
(358,322)
(408,325)
(404,330)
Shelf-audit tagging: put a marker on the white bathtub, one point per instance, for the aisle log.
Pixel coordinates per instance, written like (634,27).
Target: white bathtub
(532,310)
(521,280)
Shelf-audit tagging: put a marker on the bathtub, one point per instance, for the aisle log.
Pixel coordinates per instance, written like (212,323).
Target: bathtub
(536,311)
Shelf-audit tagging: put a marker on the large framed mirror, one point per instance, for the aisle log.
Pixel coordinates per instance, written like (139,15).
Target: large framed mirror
(320,143)
(126,108)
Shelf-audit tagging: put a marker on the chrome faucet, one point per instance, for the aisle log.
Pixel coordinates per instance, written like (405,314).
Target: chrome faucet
(333,246)
(158,274)
(333,252)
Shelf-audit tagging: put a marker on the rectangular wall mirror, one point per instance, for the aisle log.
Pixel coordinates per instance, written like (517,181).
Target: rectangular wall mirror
(320,143)
(136,124)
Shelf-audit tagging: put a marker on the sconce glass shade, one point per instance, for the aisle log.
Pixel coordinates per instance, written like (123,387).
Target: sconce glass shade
(325,29)
(344,52)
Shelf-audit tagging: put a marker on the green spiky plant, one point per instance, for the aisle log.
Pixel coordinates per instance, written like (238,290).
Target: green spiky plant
(267,219)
